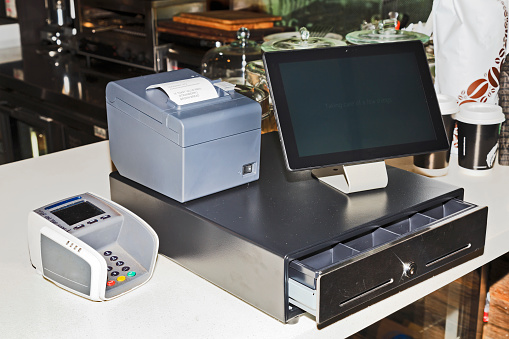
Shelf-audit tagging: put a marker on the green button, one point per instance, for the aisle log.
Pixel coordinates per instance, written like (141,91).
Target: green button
(131,274)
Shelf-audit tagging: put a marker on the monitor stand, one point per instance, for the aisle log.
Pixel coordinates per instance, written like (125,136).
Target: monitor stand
(354,178)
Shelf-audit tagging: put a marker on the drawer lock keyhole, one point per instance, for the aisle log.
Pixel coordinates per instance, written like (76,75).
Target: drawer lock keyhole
(409,269)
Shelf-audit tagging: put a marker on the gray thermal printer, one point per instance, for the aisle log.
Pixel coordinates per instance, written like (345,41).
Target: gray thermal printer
(183,135)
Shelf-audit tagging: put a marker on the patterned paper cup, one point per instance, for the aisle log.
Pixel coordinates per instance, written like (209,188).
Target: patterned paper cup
(478,130)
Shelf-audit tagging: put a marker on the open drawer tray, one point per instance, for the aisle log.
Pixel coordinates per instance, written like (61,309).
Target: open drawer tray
(356,272)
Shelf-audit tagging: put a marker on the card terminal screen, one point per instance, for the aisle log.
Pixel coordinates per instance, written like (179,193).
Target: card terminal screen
(77,212)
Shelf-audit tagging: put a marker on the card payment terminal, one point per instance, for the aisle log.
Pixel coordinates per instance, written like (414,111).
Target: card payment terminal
(91,246)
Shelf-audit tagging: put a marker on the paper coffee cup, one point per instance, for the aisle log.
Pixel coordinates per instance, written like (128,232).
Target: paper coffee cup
(436,164)
(478,130)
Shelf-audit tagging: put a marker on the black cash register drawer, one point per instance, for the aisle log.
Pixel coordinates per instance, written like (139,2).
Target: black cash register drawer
(332,283)
(288,244)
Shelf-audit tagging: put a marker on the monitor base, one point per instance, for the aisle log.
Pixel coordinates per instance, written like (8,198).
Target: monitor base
(354,178)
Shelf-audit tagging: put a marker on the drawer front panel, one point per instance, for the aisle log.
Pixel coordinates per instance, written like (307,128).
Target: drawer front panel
(392,266)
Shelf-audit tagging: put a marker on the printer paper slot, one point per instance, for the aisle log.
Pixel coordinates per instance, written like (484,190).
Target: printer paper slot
(188,91)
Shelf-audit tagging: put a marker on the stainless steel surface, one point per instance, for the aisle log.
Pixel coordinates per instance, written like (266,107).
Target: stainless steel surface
(125,31)
(244,269)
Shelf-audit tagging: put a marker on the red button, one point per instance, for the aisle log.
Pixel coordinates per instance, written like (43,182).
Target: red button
(110,283)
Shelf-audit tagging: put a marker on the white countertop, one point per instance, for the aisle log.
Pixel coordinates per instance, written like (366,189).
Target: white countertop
(174,303)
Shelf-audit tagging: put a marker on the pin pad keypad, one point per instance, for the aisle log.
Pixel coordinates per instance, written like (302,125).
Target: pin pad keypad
(119,270)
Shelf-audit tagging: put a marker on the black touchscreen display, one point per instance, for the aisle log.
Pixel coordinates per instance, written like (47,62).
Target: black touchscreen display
(353,104)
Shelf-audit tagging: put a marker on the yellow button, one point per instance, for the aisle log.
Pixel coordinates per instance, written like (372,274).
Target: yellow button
(121,278)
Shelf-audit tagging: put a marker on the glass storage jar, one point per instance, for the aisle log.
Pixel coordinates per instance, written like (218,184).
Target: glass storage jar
(228,62)
(386,32)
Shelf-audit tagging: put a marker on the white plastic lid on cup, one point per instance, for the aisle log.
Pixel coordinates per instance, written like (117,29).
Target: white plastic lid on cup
(448,104)
(479,113)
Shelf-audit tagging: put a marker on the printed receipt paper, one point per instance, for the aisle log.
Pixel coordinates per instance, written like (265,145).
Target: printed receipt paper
(187,91)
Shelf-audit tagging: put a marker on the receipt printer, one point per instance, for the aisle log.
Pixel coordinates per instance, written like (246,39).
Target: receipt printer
(182,135)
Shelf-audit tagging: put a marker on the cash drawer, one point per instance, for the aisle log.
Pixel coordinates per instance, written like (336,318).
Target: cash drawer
(347,275)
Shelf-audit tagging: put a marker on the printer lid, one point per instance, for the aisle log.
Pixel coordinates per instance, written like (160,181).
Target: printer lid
(187,124)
